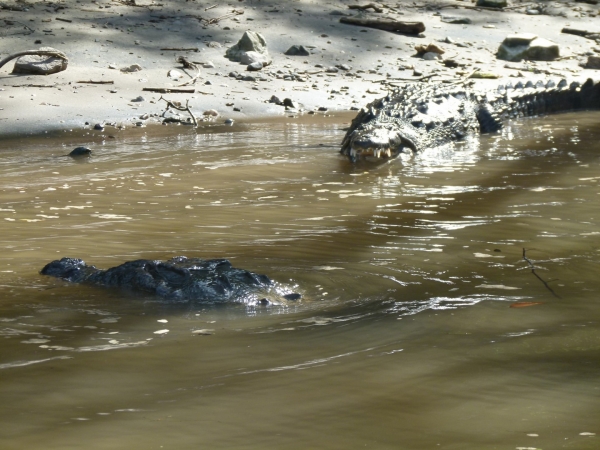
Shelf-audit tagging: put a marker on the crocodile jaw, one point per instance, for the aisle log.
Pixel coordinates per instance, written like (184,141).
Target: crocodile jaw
(380,143)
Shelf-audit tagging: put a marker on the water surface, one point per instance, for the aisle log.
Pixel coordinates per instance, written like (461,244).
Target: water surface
(450,300)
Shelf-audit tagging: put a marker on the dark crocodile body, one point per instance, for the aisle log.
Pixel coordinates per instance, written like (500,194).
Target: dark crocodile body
(419,116)
(178,279)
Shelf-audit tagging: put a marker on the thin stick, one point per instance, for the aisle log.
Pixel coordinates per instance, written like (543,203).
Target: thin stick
(173,105)
(170,90)
(96,82)
(536,275)
(177,49)
(189,65)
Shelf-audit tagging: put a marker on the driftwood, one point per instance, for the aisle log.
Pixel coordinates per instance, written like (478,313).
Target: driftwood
(178,107)
(33,52)
(583,33)
(386,25)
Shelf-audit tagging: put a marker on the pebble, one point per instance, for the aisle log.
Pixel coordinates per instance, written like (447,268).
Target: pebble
(208,65)
(228,121)
(139,98)
(210,112)
(175,74)
(99,127)
(80,152)
(253,67)
(132,68)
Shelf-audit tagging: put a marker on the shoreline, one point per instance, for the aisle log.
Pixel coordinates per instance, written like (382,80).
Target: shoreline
(348,66)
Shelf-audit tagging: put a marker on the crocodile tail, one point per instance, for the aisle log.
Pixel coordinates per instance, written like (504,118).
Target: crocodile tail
(550,98)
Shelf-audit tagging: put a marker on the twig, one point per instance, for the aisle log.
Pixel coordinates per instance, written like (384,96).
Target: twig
(170,90)
(96,82)
(35,85)
(235,12)
(210,7)
(189,65)
(176,49)
(536,275)
(56,54)
(63,20)
(178,107)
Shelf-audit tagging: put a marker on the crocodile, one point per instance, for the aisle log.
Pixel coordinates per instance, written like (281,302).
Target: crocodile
(412,118)
(179,279)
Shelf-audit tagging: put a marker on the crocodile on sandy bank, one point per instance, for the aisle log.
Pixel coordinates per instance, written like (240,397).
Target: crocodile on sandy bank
(178,279)
(419,116)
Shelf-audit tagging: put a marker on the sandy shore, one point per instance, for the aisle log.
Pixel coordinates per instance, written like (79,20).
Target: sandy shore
(102,37)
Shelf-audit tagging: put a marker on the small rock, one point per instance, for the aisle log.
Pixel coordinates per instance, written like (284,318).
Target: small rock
(429,48)
(112,66)
(248,78)
(322,108)
(593,62)
(249,42)
(527,46)
(275,99)
(139,99)
(208,83)
(40,64)
(208,65)
(175,74)
(132,68)
(297,50)
(344,67)
(203,332)
(213,44)
(210,112)
(99,127)
(288,103)
(456,20)
(228,122)
(451,63)
(332,70)
(80,152)
(253,57)
(431,56)
(234,74)
(254,66)
(237,109)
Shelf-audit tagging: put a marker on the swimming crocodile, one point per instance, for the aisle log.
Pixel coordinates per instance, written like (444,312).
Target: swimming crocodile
(419,116)
(178,279)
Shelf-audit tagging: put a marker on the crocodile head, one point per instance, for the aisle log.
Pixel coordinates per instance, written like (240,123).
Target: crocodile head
(382,141)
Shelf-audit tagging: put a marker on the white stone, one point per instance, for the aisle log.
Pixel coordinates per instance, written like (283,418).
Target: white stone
(40,64)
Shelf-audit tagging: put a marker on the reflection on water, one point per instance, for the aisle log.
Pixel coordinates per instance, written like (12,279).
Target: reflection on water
(422,323)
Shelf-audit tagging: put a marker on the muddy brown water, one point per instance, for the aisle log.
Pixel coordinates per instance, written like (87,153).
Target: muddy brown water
(422,325)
